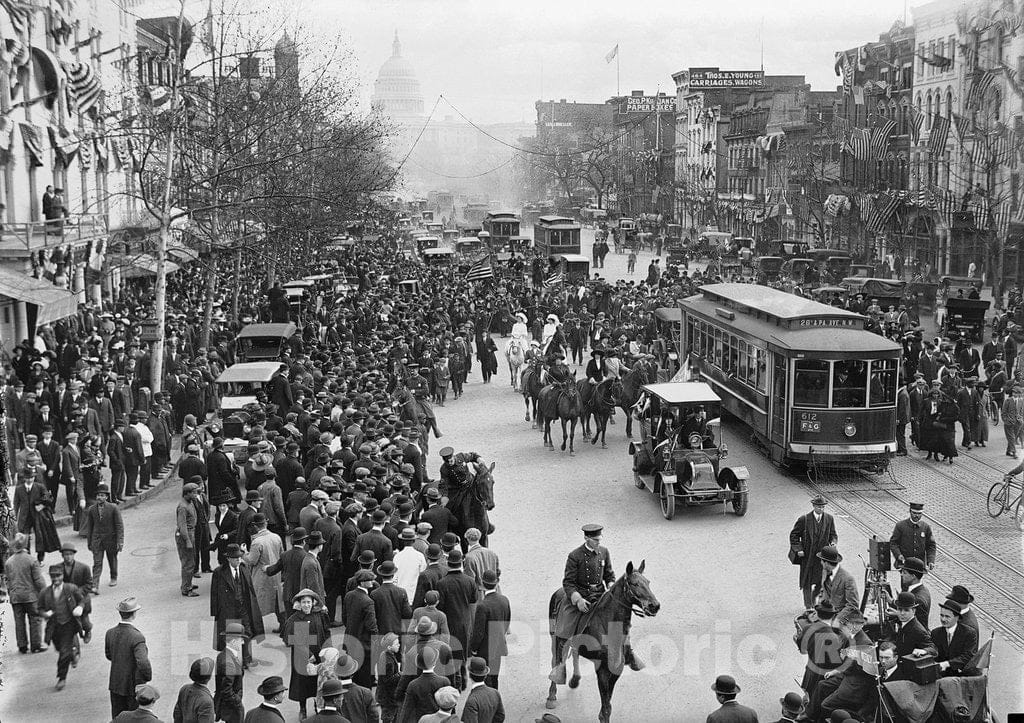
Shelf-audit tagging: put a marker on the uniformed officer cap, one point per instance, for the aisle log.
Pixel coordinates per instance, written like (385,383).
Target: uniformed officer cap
(592,530)
(917,506)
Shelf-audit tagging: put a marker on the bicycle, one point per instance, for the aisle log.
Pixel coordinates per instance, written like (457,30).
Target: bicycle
(1000,499)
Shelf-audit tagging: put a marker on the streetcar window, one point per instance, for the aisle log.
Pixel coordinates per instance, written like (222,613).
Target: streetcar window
(849,383)
(810,387)
(883,382)
(760,382)
(743,365)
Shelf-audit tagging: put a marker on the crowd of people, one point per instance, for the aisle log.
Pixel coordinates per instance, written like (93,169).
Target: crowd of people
(325,529)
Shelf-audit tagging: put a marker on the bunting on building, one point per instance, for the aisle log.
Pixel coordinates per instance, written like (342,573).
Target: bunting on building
(65,144)
(83,85)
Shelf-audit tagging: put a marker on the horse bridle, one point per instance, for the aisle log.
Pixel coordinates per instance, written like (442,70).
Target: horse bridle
(632,605)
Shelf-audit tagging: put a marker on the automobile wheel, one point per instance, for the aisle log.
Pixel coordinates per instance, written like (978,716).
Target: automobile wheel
(739,500)
(1018,515)
(637,479)
(996,501)
(668,503)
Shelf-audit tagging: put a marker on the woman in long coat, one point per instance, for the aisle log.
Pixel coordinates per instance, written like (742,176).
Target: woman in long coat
(937,424)
(305,632)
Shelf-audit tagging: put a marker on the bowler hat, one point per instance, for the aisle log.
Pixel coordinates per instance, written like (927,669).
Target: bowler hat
(953,606)
(253,496)
(725,685)
(234,630)
(271,686)
(915,565)
(830,554)
(434,551)
(103,488)
(489,578)
(233,551)
(367,557)
(792,703)
(201,669)
(478,667)
(455,558)
(298,535)
(825,609)
(387,569)
(905,601)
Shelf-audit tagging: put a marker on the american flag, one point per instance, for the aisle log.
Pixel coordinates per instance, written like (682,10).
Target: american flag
(946,204)
(33,138)
(21,17)
(981,155)
(938,135)
(880,136)
(916,121)
(980,85)
(554,280)
(962,124)
(860,144)
(882,210)
(1002,215)
(480,270)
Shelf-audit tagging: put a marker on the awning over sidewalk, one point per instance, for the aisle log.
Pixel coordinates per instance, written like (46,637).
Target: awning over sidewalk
(53,303)
(136,265)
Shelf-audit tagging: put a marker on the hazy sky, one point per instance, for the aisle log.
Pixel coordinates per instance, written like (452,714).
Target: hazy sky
(493,58)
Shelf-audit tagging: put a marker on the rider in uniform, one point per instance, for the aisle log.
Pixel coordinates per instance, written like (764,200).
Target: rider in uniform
(588,574)
(455,471)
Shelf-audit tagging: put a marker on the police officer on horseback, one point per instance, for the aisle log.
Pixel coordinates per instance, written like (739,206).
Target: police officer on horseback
(455,472)
(588,570)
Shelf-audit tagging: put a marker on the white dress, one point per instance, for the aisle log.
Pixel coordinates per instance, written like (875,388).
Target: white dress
(547,335)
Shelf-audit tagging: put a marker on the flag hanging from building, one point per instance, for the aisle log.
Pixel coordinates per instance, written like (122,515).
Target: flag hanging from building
(916,122)
(980,85)
(946,205)
(880,136)
(480,270)
(21,17)
(881,210)
(612,54)
(33,138)
(554,280)
(962,124)
(858,94)
(1002,215)
(860,144)
(981,155)
(938,135)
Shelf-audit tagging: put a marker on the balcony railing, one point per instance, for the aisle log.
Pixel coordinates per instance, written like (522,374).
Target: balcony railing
(34,235)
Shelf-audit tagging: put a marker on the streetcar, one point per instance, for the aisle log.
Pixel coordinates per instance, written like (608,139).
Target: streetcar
(502,226)
(556,235)
(815,388)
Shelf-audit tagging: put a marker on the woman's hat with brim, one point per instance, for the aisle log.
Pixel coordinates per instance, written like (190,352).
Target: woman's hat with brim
(346,666)
(306,592)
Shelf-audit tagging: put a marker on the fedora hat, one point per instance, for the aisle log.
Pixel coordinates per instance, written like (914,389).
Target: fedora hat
(233,550)
(346,666)
(426,626)
(830,554)
(271,686)
(725,685)
(825,607)
(129,605)
(960,594)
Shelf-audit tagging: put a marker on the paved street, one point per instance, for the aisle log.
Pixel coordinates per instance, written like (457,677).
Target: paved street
(728,594)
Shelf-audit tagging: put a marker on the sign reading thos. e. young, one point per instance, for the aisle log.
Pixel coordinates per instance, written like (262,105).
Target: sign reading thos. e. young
(650,103)
(705,78)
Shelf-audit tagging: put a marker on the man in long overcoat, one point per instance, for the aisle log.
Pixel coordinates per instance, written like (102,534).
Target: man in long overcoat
(811,533)
(458,594)
(265,551)
(233,599)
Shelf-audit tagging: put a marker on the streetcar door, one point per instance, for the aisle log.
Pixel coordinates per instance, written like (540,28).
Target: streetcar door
(779,399)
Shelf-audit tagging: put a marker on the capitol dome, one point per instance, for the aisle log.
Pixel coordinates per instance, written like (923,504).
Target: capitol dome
(396,91)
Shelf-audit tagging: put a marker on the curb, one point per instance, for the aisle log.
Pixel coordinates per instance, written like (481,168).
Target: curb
(172,474)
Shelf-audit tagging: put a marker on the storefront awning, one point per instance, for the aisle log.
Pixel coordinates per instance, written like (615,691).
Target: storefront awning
(136,265)
(53,303)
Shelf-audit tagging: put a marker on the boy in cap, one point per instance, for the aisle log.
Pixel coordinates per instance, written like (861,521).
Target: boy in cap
(144,697)
(195,701)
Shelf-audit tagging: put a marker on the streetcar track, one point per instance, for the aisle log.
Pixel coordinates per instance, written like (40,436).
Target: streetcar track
(993,617)
(958,482)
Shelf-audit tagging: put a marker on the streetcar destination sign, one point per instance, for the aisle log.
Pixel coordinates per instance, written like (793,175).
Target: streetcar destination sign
(706,78)
(829,322)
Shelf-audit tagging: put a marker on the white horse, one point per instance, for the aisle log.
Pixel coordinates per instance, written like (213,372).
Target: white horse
(515,355)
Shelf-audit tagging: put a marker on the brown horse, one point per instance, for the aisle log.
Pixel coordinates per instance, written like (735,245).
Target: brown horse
(630,393)
(471,503)
(530,388)
(598,402)
(562,402)
(602,634)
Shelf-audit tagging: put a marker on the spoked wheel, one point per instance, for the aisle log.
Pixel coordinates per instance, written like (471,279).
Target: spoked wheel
(739,500)
(996,501)
(668,503)
(1018,514)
